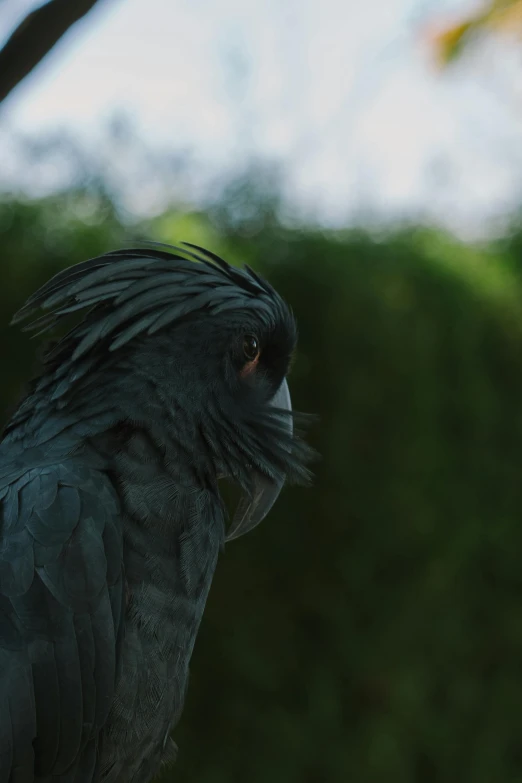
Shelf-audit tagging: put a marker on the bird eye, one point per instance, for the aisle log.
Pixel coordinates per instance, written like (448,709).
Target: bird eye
(250,347)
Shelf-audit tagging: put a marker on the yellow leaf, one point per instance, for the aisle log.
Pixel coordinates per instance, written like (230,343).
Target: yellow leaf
(448,42)
(506,16)
(498,15)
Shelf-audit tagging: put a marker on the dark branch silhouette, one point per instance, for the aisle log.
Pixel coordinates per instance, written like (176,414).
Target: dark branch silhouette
(35,36)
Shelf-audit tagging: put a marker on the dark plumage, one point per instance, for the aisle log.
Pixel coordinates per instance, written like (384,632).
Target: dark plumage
(110,517)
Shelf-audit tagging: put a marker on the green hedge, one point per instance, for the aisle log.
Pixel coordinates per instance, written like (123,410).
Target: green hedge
(371,630)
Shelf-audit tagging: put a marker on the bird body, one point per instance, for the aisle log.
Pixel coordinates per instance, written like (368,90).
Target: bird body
(111,521)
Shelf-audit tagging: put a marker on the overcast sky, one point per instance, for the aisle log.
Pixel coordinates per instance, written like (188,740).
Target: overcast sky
(341,94)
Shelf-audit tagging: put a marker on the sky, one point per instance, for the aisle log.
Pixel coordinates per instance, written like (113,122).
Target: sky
(341,96)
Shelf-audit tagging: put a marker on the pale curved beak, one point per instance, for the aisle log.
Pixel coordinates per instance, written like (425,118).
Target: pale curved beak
(252,510)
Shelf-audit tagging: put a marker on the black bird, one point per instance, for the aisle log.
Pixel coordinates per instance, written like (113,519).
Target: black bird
(111,520)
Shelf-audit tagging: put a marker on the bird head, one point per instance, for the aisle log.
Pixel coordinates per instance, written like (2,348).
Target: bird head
(211,345)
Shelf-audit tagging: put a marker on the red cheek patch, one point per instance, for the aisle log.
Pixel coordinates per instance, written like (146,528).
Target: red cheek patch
(249,367)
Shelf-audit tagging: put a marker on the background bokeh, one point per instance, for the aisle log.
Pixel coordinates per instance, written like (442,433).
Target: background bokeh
(370,631)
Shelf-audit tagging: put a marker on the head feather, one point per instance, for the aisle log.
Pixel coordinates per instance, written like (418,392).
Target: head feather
(127,293)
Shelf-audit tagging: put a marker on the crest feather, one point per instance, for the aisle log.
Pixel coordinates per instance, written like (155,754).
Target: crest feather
(130,292)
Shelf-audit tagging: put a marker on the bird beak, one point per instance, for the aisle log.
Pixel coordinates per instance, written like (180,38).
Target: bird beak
(252,510)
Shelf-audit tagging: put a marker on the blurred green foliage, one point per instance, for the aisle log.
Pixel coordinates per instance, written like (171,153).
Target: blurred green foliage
(371,629)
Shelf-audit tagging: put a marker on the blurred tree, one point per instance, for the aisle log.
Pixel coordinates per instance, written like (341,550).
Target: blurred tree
(35,36)
(370,631)
(496,16)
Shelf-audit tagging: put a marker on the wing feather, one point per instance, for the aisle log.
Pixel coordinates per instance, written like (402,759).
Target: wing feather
(61,619)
